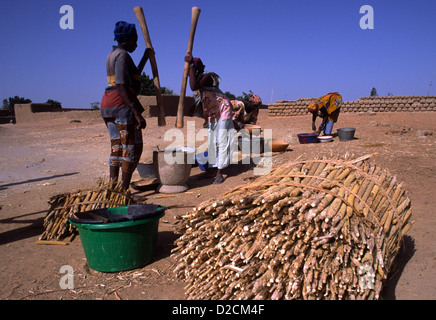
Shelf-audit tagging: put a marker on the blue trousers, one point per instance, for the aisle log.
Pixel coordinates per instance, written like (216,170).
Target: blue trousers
(328,127)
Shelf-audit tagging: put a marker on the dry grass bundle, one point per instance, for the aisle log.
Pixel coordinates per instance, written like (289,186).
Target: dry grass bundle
(62,206)
(327,228)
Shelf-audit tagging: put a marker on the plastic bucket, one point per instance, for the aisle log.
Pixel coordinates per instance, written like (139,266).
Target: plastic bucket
(304,138)
(346,134)
(202,160)
(118,246)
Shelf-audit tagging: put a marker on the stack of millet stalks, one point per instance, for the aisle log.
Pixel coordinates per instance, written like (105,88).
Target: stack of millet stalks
(63,206)
(327,228)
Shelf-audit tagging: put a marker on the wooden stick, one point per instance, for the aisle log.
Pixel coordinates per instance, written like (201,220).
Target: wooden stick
(51,242)
(180,108)
(141,19)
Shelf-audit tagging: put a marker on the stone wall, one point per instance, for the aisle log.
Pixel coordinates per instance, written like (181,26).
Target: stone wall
(365,104)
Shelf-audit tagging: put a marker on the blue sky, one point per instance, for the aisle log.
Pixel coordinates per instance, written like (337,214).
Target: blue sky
(279,49)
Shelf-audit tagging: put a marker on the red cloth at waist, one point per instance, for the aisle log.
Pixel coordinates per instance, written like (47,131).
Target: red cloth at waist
(112,99)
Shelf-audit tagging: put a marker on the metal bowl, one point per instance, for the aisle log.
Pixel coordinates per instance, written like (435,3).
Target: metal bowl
(325,138)
(146,170)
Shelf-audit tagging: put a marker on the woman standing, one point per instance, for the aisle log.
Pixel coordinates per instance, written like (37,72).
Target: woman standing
(120,107)
(218,112)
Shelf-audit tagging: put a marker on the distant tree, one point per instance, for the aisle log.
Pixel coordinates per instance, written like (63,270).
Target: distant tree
(230,95)
(54,103)
(245,96)
(390,94)
(147,85)
(11,101)
(95,105)
(374,92)
(148,88)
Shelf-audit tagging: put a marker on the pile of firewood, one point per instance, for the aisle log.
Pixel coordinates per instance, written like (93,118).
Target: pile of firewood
(62,206)
(327,228)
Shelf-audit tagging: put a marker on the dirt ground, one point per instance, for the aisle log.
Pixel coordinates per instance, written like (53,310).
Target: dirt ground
(65,155)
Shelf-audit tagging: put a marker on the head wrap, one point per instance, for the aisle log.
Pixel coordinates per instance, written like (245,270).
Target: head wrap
(255,99)
(313,107)
(124,30)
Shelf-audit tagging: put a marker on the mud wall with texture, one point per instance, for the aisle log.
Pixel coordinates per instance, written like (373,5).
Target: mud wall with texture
(365,104)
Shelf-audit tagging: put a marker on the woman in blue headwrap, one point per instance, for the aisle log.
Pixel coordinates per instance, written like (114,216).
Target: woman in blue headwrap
(120,107)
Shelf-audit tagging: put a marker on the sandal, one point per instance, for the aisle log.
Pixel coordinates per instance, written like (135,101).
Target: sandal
(219,180)
(207,175)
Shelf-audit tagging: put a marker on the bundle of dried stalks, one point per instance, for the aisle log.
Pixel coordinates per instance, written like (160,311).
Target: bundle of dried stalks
(62,206)
(327,228)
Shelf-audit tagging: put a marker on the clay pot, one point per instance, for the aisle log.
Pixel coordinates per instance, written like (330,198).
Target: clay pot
(278,145)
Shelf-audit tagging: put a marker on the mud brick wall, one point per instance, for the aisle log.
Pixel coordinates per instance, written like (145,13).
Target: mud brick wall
(35,112)
(170,102)
(6,116)
(365,104)
(31,112)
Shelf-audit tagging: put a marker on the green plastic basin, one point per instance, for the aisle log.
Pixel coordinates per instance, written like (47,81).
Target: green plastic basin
(119,246)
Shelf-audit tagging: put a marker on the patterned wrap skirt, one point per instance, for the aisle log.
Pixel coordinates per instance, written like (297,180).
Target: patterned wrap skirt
(126,143)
